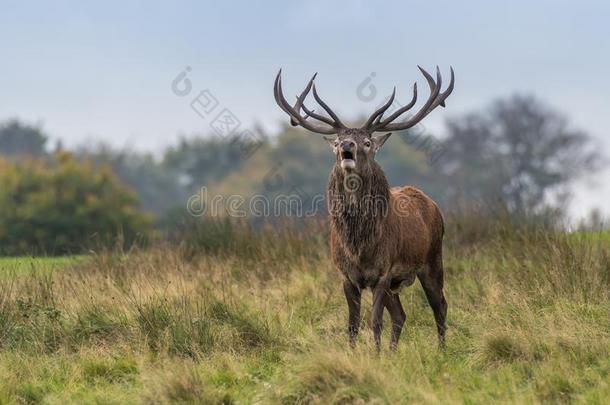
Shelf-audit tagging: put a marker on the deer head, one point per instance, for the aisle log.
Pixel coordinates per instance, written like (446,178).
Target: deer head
(355,148)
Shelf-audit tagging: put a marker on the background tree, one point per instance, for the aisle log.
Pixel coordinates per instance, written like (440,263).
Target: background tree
(158,187)
(64,206)
(201,160)
(17,138)
(518,152)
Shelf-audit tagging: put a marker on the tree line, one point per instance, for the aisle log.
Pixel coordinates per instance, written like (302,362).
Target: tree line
(517,155)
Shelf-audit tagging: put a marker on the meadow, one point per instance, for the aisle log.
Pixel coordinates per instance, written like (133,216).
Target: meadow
(260,317)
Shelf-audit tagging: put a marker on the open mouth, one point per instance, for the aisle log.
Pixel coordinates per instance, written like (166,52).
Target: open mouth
(347,160)
(347,155)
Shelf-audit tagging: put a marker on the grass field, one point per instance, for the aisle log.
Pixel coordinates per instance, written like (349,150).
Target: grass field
(262,322)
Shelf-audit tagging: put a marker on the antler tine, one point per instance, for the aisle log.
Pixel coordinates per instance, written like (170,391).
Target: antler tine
(279,97)
(301,99)
(435,88)
(327,108)
(435,99)
(401,110)
(443,96)
(312,114)
(295,114)
(285,106)
(379,112)
(309,113)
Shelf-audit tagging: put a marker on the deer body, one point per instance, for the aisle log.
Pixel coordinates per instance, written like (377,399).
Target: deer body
(386,246)
(398,244)
(382,238)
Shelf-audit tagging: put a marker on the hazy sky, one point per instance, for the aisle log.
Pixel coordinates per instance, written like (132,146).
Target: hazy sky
(104,72)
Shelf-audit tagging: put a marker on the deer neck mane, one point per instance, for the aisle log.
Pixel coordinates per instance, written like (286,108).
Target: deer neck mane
(359,205)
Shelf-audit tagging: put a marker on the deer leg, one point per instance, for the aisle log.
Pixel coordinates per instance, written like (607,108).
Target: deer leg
(432,283)
(380,292)
(398,316)
(353,296)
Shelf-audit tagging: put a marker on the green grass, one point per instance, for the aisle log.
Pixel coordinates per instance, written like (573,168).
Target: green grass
(592,236)
(528,323)
(12,266)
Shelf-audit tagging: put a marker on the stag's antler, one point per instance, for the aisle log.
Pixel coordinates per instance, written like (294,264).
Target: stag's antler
(436,98)
(375,123)
(334,122)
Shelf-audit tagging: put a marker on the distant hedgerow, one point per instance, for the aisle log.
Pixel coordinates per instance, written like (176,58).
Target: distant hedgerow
(61,206)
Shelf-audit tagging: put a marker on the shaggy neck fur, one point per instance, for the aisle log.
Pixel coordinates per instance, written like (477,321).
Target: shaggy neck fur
(359,206)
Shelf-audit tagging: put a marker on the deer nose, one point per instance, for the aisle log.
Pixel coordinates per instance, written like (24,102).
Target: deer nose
(347,146)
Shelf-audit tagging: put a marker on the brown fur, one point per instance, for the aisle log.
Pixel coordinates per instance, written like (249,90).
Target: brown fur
(383,238)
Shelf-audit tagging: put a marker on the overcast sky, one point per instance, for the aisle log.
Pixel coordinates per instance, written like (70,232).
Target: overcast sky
(103,72)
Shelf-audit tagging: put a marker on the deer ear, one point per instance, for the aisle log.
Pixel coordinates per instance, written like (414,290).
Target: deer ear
(331,141)
(379,140)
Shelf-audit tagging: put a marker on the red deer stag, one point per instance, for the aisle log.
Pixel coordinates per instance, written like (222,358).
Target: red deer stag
(381,237)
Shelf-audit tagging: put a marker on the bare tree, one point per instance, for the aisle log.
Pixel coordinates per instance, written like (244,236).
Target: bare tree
(518,152)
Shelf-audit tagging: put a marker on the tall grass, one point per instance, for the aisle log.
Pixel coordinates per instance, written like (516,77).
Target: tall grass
(258,316)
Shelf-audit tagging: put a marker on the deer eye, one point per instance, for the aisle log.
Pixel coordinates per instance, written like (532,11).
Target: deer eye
(367,144)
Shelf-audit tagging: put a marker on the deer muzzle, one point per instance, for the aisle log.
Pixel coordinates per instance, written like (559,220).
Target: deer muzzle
(348,155)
